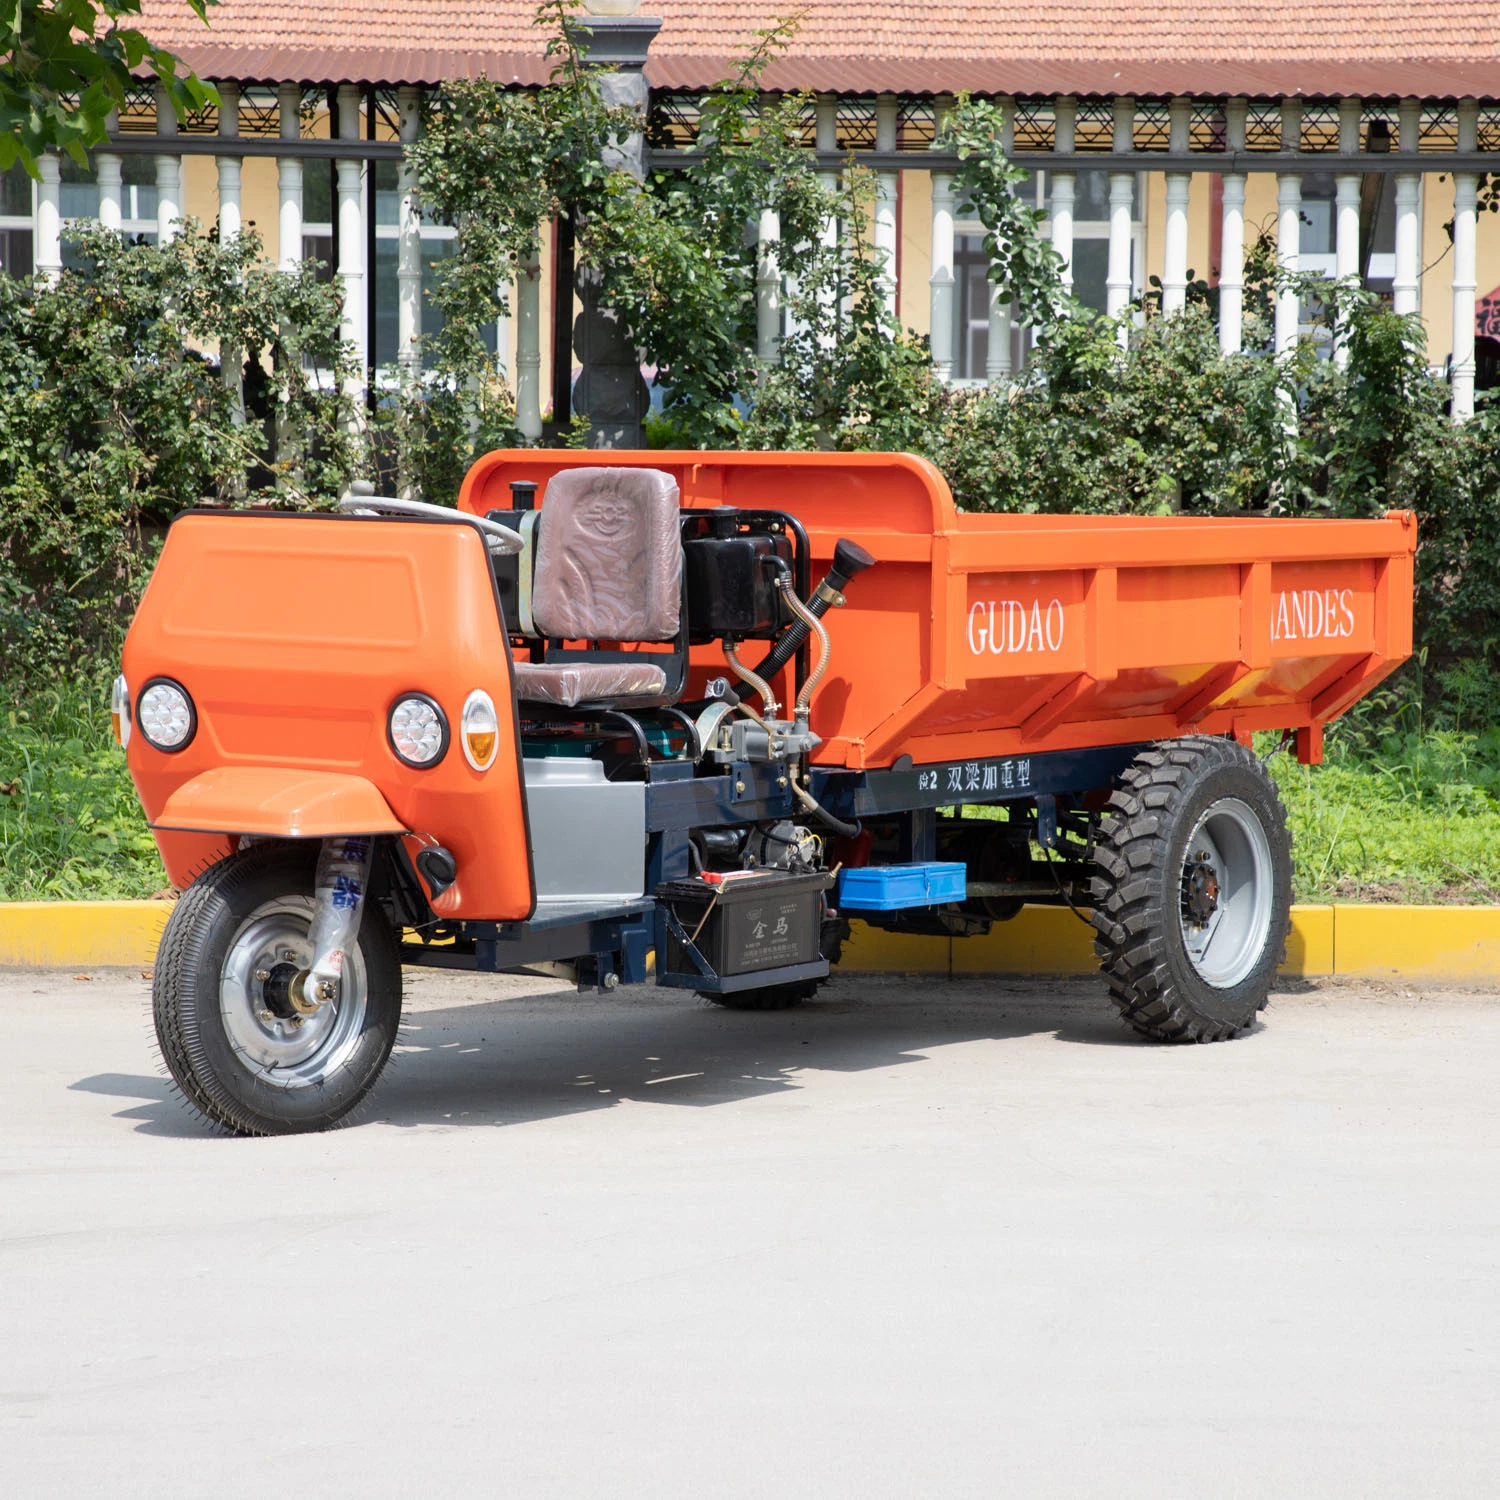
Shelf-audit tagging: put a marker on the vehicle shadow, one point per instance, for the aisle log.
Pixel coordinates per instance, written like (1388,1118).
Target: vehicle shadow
(520,1060)
(163,1112)
(536,1054)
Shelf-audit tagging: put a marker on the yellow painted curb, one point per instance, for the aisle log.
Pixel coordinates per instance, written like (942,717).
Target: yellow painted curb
(1309,945)
(1418,942)
(1457,943)
(80,934)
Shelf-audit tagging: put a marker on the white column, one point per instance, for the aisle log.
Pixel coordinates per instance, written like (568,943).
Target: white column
(997,363)
(1406,283)
(168,174)
(1465,191)
(289,183)
(941,287)
(230,221)
(1174,260)
(48,217)
(409,246)
(1346,187)
(1288,255)
(108,174)
(826,128)
(1289,228)
(886,184)
(768,287)
(1121,205)
(529,351)
(826,121)
(1064,138)
(230,224)
(351,268)
(1232,235)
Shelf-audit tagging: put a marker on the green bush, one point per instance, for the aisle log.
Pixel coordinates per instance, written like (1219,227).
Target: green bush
(114,416)
(112,419)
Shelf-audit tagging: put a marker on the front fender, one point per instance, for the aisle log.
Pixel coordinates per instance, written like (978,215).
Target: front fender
(283,803)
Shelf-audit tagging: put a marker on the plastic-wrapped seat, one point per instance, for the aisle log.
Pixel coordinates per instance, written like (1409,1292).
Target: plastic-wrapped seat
(608,567)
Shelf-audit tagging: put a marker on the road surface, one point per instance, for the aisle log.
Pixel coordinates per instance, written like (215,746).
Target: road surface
(916,1239)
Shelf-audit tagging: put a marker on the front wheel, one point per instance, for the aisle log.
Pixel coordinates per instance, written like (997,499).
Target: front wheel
(235,1042)
(1192,890)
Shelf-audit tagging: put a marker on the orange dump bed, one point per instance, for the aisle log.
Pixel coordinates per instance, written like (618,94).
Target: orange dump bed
(984,635)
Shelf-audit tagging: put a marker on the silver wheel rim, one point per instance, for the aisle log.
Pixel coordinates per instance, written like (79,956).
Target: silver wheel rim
(280,1051)
(1230,847)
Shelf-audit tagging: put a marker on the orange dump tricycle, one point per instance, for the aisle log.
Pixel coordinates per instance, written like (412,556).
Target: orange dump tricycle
(680,716)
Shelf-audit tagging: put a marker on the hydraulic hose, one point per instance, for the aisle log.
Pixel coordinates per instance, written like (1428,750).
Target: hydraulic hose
(811,805)
(817,627)
(750,682)
(848,559)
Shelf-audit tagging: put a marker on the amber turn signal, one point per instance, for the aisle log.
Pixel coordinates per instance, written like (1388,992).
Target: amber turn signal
(119,711)
(479,730)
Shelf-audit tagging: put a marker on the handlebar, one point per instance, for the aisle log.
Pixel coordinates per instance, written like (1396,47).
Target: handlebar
(497,538)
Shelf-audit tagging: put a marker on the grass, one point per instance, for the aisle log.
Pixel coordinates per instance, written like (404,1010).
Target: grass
(1412,815)
(70,825)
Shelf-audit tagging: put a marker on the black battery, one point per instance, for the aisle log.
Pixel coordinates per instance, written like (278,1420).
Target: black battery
(768,919)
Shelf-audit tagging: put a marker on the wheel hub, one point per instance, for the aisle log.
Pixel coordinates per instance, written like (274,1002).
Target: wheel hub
(1200,890)
(278,1030)
(1227,900)
(276,991)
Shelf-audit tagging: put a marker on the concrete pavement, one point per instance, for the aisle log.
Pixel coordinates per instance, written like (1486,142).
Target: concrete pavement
(919,1238)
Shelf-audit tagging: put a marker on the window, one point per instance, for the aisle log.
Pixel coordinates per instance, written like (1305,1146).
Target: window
(16,253)
(1315,251)
(1091,234)
(437,243)
(1377,232)
(318,198)
(78,198)
(971,333)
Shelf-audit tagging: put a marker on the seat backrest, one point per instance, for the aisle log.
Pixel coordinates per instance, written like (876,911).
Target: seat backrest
(609,556)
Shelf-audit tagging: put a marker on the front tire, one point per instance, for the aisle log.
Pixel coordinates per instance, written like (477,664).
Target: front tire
(1192,890)
(238,1051)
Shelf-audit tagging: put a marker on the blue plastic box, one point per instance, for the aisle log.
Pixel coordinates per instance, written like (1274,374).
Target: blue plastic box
(892,887)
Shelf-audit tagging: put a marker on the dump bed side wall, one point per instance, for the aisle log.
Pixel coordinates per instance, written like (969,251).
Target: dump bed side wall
(981,635)
(294,635)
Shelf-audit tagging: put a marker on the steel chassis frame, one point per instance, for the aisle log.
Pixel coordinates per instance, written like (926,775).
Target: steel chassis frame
(611,944)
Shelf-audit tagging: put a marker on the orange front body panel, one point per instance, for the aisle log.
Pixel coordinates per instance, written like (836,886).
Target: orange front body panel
(985,635)
(294,635)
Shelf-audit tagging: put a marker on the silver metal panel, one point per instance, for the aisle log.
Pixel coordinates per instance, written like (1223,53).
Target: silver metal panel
(588,835)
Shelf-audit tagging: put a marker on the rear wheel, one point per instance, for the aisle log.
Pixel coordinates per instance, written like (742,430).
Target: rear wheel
(223,999)
(1192,890)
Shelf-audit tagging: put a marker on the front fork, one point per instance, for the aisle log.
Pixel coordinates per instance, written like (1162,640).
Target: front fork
(339,889)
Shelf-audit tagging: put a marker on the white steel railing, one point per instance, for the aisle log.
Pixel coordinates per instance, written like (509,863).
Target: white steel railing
(1091,161)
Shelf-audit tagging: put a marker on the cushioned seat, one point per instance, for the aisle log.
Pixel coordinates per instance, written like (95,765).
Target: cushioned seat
(608,568)
(570,683)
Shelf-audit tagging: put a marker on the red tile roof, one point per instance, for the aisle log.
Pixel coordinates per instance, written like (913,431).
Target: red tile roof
(1432,47)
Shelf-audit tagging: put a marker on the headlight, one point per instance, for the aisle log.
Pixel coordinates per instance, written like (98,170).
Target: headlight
(479,730)
(165,715)
(119,711)
(418,731)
